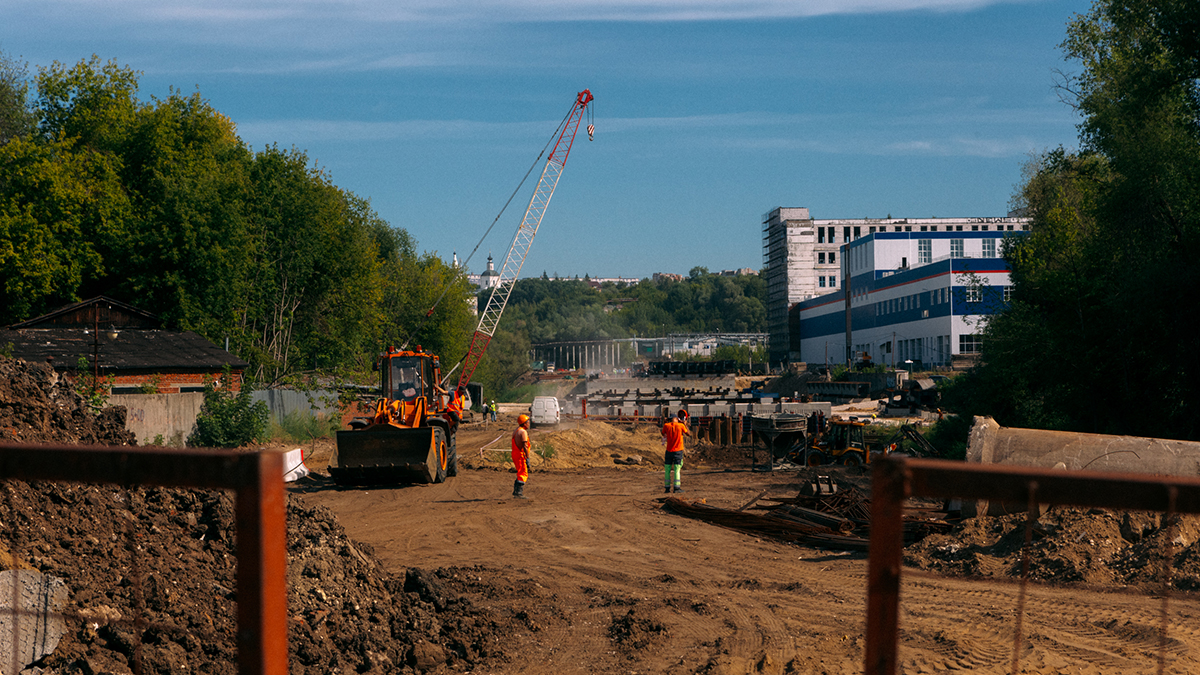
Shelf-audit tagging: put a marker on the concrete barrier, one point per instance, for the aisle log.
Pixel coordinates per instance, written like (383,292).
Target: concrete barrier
(169,416)
(991,443)
(284,402)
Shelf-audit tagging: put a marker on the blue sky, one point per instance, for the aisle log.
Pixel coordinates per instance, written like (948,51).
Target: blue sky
(708,113)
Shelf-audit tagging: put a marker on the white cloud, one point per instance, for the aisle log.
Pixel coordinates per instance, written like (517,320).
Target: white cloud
(228,12)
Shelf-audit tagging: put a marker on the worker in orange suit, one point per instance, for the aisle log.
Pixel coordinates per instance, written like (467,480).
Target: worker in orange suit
(520,455)
(673,432)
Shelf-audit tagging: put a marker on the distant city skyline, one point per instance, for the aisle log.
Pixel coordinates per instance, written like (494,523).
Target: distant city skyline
(434,112)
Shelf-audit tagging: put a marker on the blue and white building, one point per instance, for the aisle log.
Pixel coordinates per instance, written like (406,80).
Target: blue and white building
(919,288)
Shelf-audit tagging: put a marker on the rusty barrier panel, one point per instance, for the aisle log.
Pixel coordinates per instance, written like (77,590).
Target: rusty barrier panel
(257,481)
(895,478)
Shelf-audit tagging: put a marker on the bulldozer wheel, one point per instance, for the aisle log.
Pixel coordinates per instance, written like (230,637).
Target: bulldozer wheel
(439,440)
(851,459)
(452,463)
(815,458)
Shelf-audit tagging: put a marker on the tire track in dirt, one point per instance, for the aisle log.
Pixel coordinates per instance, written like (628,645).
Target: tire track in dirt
(607,582)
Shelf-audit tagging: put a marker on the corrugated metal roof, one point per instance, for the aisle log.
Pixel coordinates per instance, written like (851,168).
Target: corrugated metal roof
(133,349)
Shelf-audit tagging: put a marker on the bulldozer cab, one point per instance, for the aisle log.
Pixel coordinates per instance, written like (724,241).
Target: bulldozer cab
(406,378)
(843,443)
(411,377)
(845,436)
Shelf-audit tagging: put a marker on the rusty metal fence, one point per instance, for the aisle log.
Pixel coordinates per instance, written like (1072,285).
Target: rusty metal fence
(896,479)
(257,482)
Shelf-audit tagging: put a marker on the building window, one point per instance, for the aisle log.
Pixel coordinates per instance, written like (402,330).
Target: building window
(832,257)
(957,228)
(908,228)
(1008,294)
(833,282)
(924,251)
(956,248)
(821,281)
(857,232)
(924,228)
(872,229)
(846,234)
(896,229)
(972,293)
(968,344)
(989,248)
(974,228)
(820,258)
(820,235)
(985,228)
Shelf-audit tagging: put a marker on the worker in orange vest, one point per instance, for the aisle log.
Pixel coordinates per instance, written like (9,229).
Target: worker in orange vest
(520,455)
(673,432)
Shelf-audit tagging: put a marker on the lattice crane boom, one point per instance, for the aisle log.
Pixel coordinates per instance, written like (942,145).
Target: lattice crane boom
(489,319)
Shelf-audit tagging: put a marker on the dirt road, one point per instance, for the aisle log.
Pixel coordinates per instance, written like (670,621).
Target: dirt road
(601,580)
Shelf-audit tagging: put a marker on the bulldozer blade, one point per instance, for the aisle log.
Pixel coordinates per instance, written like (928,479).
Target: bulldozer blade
(385,454)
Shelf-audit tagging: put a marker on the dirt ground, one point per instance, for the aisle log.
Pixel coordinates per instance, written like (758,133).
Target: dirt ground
(593,576)
(589,575)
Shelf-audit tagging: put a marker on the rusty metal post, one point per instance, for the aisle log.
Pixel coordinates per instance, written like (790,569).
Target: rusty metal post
(262,568)
(889,487)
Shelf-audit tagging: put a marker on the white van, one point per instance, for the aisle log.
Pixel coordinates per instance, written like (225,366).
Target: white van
(544,410)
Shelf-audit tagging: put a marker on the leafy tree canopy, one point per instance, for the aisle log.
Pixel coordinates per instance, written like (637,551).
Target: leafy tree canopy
(159,203)
(1093,340)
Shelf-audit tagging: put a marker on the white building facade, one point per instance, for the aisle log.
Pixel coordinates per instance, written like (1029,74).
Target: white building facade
(918,298)
(798,263)
(803,265)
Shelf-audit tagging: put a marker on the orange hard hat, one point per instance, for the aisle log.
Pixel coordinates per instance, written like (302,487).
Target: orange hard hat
(522,419)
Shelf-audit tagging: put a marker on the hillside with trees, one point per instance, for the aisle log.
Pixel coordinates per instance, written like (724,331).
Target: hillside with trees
(1098,337)
(158,203)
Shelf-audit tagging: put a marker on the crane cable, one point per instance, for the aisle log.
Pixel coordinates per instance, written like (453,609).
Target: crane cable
(446,287)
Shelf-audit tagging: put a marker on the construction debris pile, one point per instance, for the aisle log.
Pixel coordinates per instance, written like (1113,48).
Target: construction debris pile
(39,406)
(821,515)
(1070,545)
(151,575)
(151,579)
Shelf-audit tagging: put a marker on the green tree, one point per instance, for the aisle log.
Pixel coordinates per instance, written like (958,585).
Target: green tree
(1111,264)
(229,420)
(16,113)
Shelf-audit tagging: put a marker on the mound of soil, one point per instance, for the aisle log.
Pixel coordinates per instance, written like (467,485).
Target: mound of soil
(1070,545)
(39,406)
(151,572)
(152,580)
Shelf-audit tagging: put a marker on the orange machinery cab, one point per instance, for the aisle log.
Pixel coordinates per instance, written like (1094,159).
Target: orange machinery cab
(842,443)
(410,436)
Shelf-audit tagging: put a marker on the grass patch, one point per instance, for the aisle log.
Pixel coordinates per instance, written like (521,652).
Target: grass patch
(300,427)
(545,450)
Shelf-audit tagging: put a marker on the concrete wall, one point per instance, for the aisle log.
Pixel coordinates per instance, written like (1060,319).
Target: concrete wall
(284,402)
(172,416)
(991,443)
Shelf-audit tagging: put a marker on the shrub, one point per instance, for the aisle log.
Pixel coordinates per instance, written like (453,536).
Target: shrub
(298,426)
(229,420)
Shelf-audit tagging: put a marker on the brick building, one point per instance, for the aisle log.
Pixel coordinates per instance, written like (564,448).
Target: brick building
(123,343)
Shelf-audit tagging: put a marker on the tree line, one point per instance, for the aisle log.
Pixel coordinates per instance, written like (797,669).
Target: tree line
(157,202)
(1098,336)
(548,309)
(160,204)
